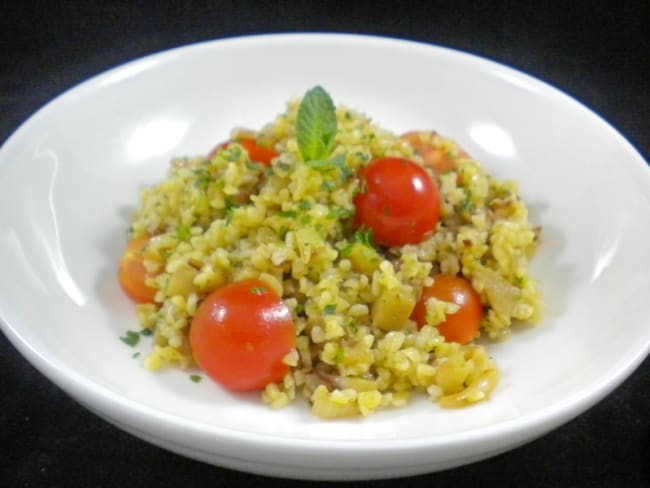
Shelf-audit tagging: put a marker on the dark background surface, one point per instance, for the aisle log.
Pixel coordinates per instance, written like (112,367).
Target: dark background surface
(597,52)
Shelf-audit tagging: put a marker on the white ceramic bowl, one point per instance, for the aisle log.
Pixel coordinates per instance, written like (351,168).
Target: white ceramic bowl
(70,176)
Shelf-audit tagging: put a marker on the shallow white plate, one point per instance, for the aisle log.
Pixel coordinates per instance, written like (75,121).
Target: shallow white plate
(70,176)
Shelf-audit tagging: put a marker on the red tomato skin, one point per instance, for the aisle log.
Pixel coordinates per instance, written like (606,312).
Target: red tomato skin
(240,335)
(256,153)
(398,200)
(461,326)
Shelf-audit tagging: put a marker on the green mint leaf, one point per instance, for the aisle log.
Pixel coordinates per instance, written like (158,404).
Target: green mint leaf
(316,125)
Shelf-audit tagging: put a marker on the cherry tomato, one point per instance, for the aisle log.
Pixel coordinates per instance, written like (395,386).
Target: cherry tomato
(241,333)
(398,200)
(132,272)
(435,157)
(463,325)
(256,153)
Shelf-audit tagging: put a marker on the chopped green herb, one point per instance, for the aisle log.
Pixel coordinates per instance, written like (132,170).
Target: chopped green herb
(269,172)
(519,281)
(306,219)
(363,156)
(304,205)
(340,213)
(340,355)
(329,185)
(330,309)
(234,152)
(131,338)
(364,237)
(346,251)
(230,208)
(284,166)
(300,309)
(196,378)
(183,234)
(316,125)
(146,332)
(253,165)
(135,355)
(259,290)
(467,204)
(230,203)
(202,182)
(288,213)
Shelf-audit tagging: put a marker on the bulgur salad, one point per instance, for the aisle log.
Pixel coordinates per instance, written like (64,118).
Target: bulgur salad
(325,257)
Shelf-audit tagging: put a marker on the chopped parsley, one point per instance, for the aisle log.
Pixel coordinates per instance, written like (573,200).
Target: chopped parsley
(196,378)
(467,205)
(252,165)
(346,251)
(304,205)
(364,237)
(340,213)
(284,166)
(330,309)
(340,355)
(131,338)
(183,234)
(288,213)
(258,290)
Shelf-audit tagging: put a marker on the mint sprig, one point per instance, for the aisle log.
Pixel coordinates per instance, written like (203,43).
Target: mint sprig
(316,125)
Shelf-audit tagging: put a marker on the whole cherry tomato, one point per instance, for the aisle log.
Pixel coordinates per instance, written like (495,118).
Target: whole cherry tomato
(256,153)
(398,201)
(437,158)
(240,335)
(132,273)
(463,325)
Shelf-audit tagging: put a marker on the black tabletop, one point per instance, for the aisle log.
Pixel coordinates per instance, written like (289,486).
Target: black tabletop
(596,51)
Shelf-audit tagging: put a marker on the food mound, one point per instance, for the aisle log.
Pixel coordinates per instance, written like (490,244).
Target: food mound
(325,257)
